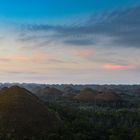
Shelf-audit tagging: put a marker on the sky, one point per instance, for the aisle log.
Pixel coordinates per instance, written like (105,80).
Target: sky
(70,41)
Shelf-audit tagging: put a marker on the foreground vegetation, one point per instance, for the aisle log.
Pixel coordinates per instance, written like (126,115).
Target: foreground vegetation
(105,124)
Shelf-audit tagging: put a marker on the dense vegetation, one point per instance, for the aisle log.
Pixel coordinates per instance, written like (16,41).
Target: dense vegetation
(100,124)
(90,120)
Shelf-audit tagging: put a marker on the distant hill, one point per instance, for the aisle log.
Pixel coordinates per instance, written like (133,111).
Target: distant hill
(3,89)
(69,95)
(87,95)
(49,93)
(23,114)
(90,95)
(70,92)
(69,89)
(107,97)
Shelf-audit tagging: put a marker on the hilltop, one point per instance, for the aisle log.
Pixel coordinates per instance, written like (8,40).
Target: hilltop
(107,97)
(48,93)
(87,95)
(23,114)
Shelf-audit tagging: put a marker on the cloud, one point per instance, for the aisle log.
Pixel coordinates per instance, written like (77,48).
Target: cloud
(83,53)
(5,60)
(39,56)
(36,56)
(117,67)
(79,42)
(121,25)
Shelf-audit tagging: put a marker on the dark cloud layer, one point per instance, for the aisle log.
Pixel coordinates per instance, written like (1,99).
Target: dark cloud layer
(79,42)
(123,26)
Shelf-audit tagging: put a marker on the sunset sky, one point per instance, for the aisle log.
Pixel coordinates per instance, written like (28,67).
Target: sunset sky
(70,41)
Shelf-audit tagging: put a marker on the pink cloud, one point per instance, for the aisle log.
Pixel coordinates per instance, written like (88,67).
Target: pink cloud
(14,58)
(83,53)
(40,56)
(117,67)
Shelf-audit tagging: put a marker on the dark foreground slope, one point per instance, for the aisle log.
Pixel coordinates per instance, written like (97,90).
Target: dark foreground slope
(23,114)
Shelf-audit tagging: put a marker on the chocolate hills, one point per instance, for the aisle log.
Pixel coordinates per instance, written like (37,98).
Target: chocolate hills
(107,97)
(90,95)
(23,114)
(69,92)
(49,93)
(69,95)
(86,95)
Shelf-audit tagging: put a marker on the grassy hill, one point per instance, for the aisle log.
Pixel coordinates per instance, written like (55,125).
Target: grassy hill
(87,95)
(23,114)
(48,93)
(107,97)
